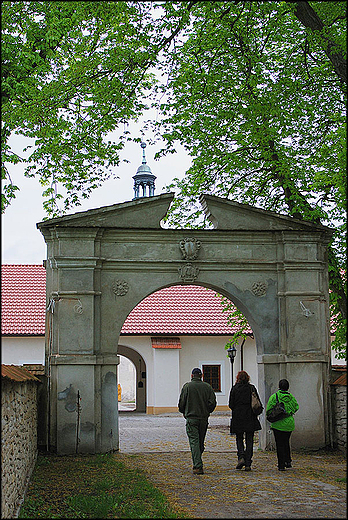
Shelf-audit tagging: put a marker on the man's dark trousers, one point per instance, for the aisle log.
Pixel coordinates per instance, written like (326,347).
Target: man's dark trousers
(196,430)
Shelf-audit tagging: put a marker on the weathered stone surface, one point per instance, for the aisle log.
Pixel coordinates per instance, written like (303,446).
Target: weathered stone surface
(228,214)
(18,442)
(340,416)
(102,263)
(141,213)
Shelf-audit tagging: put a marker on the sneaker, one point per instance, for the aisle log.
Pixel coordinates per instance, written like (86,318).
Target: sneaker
(247,468)
(198,471)
(241,463)
(288,465)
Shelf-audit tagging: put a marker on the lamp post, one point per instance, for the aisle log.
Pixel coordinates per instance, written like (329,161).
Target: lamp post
(231,351)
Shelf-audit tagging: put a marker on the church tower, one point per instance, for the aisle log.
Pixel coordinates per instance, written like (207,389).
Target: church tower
(144,179)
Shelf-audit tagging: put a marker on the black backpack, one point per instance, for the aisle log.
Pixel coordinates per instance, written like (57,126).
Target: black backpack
(277,412)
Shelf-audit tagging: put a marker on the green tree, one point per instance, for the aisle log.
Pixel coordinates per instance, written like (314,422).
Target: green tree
(257,95)
(254,90)
(72,72)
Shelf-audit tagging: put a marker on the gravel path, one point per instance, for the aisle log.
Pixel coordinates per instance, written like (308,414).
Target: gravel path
(313,488)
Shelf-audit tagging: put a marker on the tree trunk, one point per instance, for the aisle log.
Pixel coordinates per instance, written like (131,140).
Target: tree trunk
(309,18)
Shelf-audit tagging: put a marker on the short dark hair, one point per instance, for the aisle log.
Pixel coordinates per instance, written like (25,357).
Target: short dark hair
(242,377)
(196,372)
(284,385)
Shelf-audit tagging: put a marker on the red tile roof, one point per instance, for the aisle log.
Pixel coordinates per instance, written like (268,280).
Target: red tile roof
(15,373)
(23,300)
(180,309)
(174,310)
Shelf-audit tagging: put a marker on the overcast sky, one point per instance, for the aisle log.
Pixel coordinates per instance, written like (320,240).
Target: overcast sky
(22,242)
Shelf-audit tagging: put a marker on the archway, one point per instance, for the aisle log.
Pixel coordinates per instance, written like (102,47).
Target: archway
(101,263)
(177,328)
(126,382)
(140,375)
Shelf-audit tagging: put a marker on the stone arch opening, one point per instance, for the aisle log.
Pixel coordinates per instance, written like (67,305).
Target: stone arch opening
(140,376)
(101,263)
(175,327)
(126,379)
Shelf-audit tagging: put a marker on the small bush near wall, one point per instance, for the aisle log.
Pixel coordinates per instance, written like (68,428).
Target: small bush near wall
(18,440)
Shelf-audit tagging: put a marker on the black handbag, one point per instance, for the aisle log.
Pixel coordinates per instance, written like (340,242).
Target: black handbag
(277,413)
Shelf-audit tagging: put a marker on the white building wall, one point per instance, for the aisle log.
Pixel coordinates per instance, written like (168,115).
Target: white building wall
(20,350)
(208,350)
(142,345)
(166,380)
(162,391)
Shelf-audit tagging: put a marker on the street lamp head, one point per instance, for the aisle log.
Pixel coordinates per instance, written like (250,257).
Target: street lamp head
(232,351)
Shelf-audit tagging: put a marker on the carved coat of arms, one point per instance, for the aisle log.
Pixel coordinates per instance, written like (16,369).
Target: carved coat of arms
(190,248)
(188,272)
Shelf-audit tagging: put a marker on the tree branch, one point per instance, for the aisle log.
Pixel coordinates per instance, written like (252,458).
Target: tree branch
(309,18)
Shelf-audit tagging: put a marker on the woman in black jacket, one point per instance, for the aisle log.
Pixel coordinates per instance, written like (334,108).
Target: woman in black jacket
(244,421)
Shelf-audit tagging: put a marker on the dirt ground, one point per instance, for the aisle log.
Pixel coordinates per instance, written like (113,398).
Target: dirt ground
(313,488)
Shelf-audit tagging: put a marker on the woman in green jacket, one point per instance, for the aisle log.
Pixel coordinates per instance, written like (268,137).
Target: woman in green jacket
(282,429)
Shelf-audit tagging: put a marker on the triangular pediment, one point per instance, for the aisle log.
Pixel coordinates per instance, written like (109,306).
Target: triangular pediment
(145,213)
(227,214)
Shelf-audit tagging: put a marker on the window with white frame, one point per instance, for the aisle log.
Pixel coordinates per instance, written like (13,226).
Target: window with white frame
(212,375)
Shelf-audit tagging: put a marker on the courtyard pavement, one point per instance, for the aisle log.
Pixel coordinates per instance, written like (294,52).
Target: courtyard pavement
(157,444)
(142,433)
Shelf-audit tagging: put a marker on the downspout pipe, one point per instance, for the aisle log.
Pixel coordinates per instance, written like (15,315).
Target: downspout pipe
(242,355)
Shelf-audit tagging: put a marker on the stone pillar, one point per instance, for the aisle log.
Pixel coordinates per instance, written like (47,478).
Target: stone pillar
(306,380)
(304,337)
(75,358)
(93,428)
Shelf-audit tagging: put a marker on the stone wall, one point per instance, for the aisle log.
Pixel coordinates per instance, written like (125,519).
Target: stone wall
(340,417)
(18,442)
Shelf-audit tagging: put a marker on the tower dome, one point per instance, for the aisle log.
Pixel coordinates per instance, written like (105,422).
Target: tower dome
(144,179)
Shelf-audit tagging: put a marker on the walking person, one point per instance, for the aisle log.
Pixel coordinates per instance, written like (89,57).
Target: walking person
(282,429)
(196,402)
(244,421)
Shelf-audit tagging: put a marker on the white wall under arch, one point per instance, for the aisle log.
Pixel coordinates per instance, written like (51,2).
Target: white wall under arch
(126,377)
(163,392)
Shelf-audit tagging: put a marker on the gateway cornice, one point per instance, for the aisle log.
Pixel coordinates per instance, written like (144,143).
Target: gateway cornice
(299,357)
(84,359)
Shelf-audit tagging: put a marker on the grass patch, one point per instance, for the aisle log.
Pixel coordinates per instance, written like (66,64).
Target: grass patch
(92,486)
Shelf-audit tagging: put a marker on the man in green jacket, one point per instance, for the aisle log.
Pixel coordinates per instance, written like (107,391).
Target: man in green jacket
(282,429)
(197,401)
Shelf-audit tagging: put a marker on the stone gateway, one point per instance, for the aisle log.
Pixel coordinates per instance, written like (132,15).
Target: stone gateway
(101,263)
